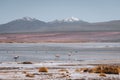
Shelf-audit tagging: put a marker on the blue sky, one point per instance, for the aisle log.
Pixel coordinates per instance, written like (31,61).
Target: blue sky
(48,10)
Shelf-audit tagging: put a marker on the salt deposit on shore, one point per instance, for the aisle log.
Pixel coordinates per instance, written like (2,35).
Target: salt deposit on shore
(56,70)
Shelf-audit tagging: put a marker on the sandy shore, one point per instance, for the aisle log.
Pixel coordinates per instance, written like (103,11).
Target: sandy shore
(57,70)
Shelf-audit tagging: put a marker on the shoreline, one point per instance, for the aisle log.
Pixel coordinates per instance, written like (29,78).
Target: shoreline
(57,70)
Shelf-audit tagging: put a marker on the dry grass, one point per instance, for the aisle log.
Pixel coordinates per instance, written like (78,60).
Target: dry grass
(102,74)
(24,72)
(43,69)
(106,69)
(64,75)
(64,70)
(83,70)
(26,62)
(30,75)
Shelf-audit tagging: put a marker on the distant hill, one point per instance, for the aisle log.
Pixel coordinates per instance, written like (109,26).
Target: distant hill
(25,24)
(28,24)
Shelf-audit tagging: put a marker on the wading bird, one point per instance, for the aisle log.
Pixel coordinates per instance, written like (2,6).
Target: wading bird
(15,58)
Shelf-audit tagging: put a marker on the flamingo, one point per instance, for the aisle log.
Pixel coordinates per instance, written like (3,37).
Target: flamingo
(57,56)
(69,54)
(16,57)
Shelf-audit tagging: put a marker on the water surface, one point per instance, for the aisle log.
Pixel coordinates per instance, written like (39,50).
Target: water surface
(65,51)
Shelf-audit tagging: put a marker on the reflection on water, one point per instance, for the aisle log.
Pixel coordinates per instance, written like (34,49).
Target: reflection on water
(66,51)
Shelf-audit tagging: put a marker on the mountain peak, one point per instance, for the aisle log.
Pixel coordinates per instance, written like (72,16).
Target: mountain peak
(71,19)
(27,19)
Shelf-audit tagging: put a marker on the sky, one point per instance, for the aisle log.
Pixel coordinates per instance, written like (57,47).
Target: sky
(49,10)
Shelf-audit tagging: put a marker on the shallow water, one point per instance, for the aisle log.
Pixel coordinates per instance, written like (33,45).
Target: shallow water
(47,51)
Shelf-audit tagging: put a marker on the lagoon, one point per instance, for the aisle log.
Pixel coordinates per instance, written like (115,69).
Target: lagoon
(66,51)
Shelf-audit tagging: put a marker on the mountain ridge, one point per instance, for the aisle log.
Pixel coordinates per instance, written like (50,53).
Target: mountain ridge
(28,24)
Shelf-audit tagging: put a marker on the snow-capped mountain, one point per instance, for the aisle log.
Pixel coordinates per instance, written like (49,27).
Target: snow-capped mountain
(25,24)
(27,19)
(28,24)
(67,20)
(71,19)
